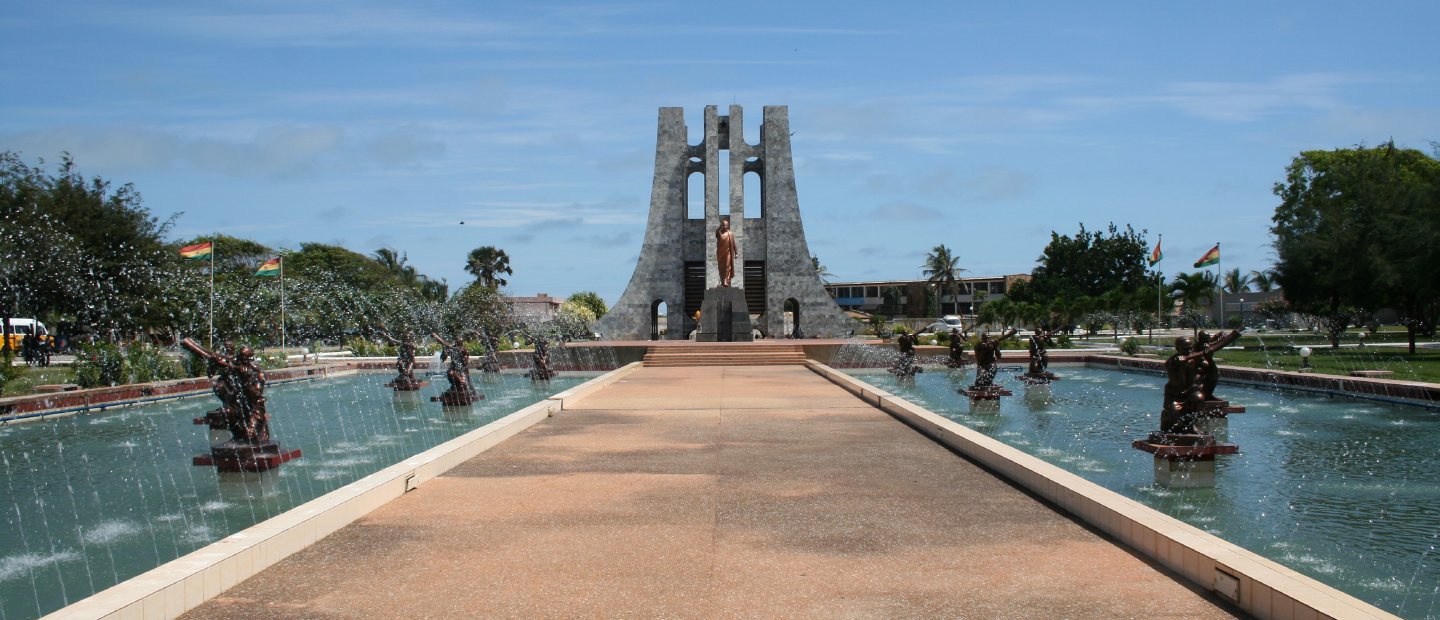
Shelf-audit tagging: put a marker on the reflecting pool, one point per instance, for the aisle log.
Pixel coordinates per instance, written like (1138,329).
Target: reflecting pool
(1345,491)
(91,500)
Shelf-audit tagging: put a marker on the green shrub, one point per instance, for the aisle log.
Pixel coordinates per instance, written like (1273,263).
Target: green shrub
(1130,346)
(146,364)
(9,372)
(195,365)
(1063,341)
(100,365)
(271,361)
(361,347)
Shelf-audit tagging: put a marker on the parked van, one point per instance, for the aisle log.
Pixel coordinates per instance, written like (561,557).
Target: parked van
(19,328)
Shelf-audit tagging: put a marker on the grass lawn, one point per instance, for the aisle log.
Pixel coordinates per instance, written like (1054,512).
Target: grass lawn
(25,383)
(1424,365)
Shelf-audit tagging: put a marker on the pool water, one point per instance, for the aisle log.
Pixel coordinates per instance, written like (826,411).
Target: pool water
(91,500)
(1345,491)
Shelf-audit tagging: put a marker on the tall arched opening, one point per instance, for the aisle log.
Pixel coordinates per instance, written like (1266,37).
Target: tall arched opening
(658,319)
(792,319)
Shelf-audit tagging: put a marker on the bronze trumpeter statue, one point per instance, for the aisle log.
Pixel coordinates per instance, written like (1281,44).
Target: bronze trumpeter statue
(405,380)
(457,373)
(1184,384)
(240,385)
(905,365)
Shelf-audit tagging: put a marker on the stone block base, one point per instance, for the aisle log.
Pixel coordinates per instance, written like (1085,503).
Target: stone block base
(724,316)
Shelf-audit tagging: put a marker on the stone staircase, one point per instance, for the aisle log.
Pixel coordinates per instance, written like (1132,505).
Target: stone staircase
(725,354)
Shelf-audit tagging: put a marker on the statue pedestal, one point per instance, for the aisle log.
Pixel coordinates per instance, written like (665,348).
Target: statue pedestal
(724,316)
(406,384)
(1039,378)
(1184,460)
(247,457)
(457,398)
(985,392)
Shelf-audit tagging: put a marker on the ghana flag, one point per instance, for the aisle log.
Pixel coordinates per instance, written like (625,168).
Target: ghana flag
(1210,258)
(199,250)
(269,268)
(1155,256)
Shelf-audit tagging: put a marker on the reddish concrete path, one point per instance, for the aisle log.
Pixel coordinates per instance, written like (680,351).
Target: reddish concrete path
(713,493)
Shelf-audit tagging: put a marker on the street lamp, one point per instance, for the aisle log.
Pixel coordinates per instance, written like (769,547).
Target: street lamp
(1305,359)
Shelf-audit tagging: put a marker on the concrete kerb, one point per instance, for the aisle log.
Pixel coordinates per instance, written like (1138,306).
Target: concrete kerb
(587,388)
(175,587)
(1265,589)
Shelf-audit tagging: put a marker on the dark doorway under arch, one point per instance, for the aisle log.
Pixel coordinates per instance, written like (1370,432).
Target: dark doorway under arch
(792,316)
(658,309)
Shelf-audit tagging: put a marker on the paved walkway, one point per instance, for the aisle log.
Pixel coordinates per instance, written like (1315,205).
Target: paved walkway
(712,493)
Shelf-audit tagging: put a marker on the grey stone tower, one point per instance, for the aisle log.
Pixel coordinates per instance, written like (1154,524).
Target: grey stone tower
(677,261)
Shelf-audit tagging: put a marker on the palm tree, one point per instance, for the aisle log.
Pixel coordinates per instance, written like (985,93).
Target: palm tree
(434,290)
(1263,281)
(1236,282)
(394,262)
(943,270)
(820,270)
(486,263)
(1193,289)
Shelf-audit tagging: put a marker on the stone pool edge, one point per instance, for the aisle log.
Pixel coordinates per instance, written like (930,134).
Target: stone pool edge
(1266,589)
(182,584)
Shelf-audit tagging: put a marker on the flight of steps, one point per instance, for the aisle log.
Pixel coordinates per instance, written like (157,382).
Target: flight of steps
(725,354)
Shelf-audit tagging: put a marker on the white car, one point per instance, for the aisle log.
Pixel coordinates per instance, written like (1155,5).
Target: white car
(944,325)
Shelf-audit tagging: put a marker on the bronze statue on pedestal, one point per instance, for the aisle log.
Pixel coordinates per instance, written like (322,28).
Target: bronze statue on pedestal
(1184,390)
(240,385)
(725,251)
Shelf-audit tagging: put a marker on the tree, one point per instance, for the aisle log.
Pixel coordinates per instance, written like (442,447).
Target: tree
(591,300)
(322,261)
(394,262)
(1263,281)
(820,270)
(1193,290)
(889,301)
(477,307)
(486,263)
(1089,264)
(1355,230)
(943,270)
(1235,282)
(79,249)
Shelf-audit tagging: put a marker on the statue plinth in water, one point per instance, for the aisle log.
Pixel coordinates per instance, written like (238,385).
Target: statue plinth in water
(239,383)
(460,393)
(987,364)
(405,380)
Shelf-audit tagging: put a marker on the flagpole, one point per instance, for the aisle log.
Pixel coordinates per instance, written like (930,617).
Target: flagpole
(212,295)
(1158,285)
(1220,277)
(282,306)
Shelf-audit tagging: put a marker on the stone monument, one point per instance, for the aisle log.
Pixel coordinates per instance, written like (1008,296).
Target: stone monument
(679,264)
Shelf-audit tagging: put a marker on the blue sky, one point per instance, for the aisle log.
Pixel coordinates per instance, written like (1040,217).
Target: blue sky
(983,126)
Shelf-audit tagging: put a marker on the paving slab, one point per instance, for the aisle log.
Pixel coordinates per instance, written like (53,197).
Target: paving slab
(716,492)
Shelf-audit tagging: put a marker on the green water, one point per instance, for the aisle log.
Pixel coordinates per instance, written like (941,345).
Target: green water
(1345,491)
(91,500)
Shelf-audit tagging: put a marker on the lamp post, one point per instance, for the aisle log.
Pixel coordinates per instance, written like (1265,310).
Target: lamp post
(1305,359)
